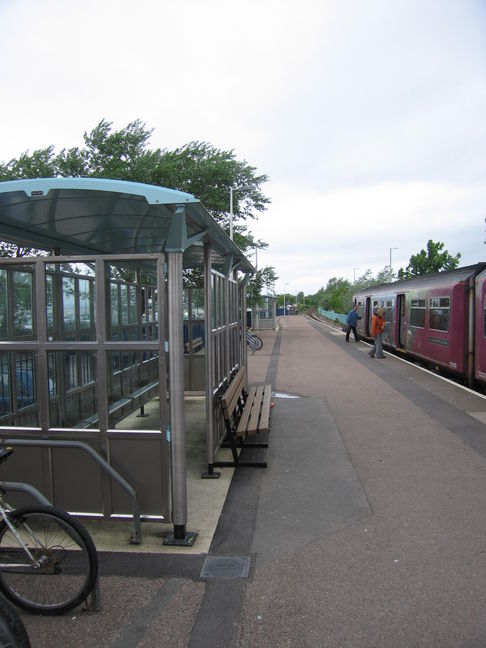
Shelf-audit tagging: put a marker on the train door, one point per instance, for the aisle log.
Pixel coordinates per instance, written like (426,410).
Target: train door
(401,321)
(480,337)
(369,315)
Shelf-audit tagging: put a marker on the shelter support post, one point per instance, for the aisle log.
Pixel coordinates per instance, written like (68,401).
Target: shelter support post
(176,397)
(208,314)
(243,349)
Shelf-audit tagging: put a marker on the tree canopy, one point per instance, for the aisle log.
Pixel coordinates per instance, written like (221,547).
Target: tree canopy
(432,260)
(197,168)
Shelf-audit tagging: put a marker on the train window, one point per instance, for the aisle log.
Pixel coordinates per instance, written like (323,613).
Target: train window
(439,313)
(484,318)
(417,312)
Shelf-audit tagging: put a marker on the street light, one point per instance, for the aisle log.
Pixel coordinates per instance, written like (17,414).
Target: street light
(243,188)
(354,281)
(392,248)
(285,309)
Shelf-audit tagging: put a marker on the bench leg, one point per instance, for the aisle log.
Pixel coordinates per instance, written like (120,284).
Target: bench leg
(237,461)
(211,473)
(142,412)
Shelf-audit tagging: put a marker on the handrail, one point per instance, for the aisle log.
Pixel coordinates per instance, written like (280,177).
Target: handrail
(20,487)
(137,528)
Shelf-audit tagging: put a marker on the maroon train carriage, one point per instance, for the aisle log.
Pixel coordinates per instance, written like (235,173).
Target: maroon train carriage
(480,339)
(439,318)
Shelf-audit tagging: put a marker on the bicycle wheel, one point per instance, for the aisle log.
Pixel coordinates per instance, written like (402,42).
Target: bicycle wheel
(12,630)
(66,553)
(250,342)
(258,342)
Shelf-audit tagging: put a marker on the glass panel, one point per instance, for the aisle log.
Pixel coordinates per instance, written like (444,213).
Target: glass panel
(5,404)
(72,389)
(115,318)
(124,303)
(132,294)
(84,303)
(439,313)
(133,382)
(22,289)
(3,305)
(50,305)
(197,303)
(68,303)
(25,379)
(417,315)
(18,385)
(185,303)
(484,318)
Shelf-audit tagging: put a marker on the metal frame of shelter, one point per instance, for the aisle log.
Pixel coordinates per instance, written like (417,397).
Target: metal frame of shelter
(116,244)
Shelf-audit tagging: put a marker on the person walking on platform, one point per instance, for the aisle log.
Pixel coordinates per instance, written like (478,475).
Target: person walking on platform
(351,321)
(377,328)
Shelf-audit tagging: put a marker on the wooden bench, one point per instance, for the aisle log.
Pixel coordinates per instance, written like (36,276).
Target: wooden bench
(192,346)
(245,414)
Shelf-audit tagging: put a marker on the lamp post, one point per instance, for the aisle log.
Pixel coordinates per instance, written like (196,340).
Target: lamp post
(392,248)
(354,269)
(285,309)
(232,189)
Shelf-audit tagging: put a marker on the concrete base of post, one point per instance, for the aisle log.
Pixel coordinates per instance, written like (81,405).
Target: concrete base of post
(180,537)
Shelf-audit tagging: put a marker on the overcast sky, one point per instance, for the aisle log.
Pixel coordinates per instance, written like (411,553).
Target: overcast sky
(369,117)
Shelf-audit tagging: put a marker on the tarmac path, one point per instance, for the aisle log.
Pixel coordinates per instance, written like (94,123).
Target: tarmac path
(367,529)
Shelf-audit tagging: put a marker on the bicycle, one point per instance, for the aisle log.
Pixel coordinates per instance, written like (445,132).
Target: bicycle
(48,561)
(254,341)
(12,631)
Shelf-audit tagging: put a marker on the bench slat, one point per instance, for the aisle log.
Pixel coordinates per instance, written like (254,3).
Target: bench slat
(255,411)
(242,425)
(231,395)
(265,412)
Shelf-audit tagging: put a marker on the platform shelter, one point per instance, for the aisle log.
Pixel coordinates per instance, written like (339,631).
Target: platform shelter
(100,326)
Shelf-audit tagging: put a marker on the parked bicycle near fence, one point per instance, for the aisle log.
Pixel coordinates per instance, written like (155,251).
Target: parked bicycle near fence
(254,341)
(48,561)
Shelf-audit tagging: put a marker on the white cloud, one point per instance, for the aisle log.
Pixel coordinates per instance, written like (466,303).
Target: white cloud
(367,117)
(315,235)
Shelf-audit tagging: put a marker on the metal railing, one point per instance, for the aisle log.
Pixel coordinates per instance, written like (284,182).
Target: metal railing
(42,443)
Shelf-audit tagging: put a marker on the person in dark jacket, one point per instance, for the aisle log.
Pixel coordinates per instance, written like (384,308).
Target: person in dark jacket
(351,321)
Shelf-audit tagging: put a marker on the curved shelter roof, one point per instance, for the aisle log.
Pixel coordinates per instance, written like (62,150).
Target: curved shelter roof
(99,216)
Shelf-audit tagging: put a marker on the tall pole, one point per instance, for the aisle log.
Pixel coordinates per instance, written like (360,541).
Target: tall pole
(231,213)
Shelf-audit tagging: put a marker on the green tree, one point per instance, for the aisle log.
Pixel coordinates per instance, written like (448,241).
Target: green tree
(264,278)
(432,260)
(197,168)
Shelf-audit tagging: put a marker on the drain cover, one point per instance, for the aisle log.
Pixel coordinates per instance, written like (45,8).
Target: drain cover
(225,567)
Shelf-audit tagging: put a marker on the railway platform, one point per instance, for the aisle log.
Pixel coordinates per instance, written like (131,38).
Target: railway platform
(367,529)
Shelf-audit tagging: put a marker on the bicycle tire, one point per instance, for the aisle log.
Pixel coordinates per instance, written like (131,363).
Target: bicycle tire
(70,561)
(12,631)
(257,342)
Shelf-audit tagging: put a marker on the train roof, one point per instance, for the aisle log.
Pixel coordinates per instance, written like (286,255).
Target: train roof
(433,279)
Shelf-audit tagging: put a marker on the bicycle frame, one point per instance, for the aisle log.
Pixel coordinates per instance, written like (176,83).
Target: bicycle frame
(11,566)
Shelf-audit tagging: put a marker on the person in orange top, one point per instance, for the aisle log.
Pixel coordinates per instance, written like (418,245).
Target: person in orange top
(377,328)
